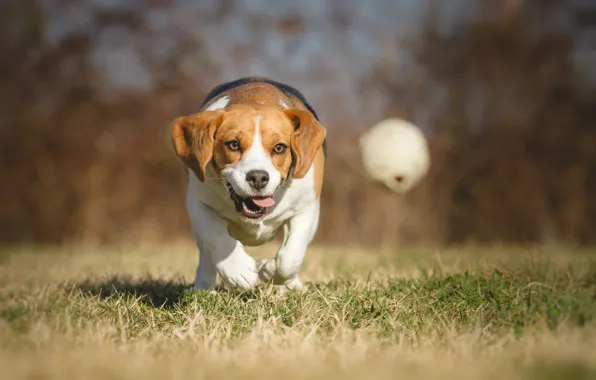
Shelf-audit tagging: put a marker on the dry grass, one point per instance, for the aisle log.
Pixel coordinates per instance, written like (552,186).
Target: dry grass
(115,313)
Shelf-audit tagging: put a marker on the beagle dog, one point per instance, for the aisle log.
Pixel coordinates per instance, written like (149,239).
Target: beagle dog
(255,154)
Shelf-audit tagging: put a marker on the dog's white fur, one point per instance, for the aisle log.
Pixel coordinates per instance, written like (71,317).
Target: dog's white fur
(221,233)
(395,148)
(219,103)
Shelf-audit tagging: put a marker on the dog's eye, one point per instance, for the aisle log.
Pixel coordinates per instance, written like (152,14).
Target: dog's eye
(280,148)
(233,145)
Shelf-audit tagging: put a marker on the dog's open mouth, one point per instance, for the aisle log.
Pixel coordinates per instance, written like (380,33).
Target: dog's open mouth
(251,207)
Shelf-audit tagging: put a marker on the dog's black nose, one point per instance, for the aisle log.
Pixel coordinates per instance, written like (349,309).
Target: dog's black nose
(257,179)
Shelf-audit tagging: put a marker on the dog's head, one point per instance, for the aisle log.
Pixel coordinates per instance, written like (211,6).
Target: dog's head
(253,149)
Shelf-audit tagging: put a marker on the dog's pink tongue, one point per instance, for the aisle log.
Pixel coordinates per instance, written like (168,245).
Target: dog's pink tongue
(264,202)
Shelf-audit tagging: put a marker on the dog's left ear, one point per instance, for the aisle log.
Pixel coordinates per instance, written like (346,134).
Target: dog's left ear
(306,141)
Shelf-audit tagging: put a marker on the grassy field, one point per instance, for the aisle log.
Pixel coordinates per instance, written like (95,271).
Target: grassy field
(469,313)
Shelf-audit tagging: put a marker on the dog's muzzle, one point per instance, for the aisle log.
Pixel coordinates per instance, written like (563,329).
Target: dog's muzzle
(251,207)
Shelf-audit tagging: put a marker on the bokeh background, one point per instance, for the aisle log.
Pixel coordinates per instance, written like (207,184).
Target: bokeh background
(505,91)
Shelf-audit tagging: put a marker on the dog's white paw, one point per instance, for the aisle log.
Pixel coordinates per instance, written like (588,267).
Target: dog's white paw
(267,273)
(239,271)
(294,284)
(266,269)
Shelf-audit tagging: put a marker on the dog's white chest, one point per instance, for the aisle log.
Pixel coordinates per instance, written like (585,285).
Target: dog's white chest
(253,234)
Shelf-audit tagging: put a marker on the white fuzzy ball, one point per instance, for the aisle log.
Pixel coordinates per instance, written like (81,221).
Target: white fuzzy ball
(395,154)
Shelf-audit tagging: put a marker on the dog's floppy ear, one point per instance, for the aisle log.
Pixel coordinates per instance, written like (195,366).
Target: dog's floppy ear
(194,137)
(307,139)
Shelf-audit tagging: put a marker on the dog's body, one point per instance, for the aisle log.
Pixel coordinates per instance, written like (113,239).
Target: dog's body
(256,155)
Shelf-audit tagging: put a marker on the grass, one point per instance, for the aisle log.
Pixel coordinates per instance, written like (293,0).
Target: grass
(116,313)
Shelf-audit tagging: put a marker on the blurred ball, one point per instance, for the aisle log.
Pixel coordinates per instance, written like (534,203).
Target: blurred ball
(395,155)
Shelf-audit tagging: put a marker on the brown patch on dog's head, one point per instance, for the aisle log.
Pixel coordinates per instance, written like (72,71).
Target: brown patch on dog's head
(234,137)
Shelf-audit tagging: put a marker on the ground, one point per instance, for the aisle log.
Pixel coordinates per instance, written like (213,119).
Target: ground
(465,313)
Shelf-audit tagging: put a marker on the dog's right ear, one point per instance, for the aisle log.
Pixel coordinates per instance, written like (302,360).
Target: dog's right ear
(194,137)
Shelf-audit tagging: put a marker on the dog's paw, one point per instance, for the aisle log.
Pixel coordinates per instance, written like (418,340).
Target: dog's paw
(294,284)
(267,273)
(203,285)
(240,272)
(266,269)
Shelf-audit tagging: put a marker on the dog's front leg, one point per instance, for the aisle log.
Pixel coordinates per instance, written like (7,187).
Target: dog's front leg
(298,233)
(220,253)
(206,274)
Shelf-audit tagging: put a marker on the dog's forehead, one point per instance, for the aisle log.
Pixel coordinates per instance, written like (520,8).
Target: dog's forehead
(270,120)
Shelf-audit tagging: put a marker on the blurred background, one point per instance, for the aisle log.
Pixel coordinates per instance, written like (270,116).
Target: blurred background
(505,91)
